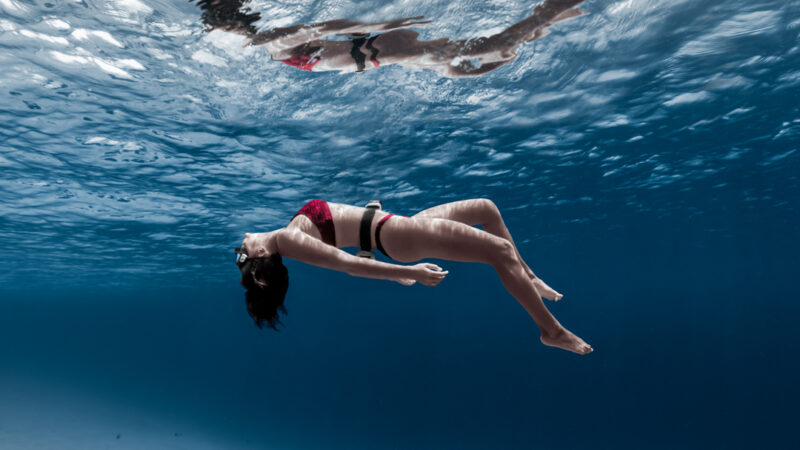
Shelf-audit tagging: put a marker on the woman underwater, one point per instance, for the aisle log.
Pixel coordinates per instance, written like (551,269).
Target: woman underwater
(318,231)
(304,46)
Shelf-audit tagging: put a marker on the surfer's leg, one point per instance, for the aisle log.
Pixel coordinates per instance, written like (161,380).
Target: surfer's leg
(409,239)
(484,212)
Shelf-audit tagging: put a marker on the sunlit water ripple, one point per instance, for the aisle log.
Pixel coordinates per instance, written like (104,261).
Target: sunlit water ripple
(132,139)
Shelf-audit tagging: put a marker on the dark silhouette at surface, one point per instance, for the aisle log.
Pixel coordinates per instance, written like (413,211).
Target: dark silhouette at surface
(371,45)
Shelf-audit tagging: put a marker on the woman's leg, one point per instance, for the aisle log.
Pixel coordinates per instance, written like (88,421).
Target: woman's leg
(456,58)
(484,212)
(410,239)
(282,39)
(528,29)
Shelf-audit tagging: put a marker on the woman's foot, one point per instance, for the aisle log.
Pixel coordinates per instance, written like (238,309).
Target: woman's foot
(566,340)
(544,290)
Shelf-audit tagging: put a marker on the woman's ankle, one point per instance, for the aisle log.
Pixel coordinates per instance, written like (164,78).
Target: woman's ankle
(553,331)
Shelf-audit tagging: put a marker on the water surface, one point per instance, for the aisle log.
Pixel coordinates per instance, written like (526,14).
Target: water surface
(645,158)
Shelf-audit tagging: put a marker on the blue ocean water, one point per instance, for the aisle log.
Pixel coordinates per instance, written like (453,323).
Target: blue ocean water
(645,158)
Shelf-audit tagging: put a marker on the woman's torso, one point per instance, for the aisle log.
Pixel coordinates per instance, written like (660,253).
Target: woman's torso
(394,47)
(346,222)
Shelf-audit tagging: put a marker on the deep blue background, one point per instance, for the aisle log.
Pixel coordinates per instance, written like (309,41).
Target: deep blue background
(645,159)
(694,335)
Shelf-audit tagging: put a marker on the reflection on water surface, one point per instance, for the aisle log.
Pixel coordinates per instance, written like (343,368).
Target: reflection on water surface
(134,137)
(306,46)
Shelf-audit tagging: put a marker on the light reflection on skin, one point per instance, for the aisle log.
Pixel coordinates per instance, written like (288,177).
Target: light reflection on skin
(445,232)
(304,46)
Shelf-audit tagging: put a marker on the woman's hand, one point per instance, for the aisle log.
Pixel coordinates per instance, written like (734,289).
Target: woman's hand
(406,281)
(428,274)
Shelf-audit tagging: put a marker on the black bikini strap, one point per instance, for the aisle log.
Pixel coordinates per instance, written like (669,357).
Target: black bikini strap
(374,51)
(366,228)
(355,52)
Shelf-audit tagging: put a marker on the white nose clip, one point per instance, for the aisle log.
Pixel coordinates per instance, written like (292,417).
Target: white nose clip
(241,258)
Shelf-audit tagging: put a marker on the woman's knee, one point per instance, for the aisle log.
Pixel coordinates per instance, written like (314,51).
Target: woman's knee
(488,205)
(503,253)
(489,212)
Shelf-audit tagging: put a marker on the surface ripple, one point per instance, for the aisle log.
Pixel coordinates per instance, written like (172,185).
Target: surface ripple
(133,139)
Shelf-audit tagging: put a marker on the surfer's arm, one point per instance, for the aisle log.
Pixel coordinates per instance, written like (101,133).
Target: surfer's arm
(297,245)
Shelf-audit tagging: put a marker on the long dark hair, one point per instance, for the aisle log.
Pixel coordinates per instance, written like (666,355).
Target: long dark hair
(228,15)
(266,281)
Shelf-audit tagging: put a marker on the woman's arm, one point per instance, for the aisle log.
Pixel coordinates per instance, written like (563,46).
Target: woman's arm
(295,35)
(302,247)
(466,69)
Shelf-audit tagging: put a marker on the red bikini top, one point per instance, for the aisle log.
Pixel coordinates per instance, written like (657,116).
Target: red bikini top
(320,214)
(302,62)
